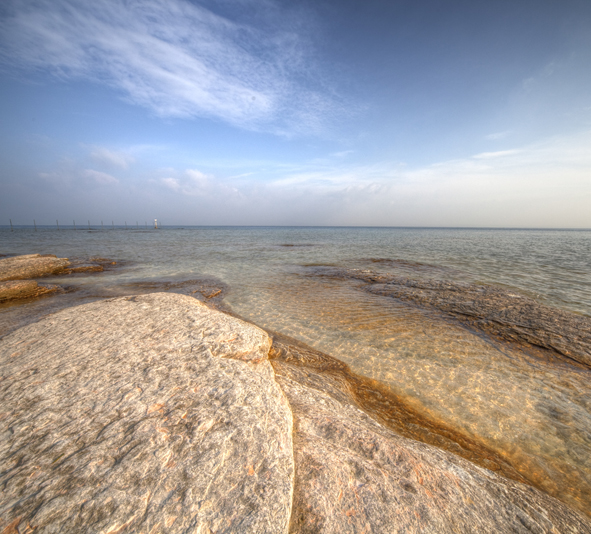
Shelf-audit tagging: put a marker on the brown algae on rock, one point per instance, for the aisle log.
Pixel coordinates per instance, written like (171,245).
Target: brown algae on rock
(22,289)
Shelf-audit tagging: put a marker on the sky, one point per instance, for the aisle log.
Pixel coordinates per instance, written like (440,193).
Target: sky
(273,112)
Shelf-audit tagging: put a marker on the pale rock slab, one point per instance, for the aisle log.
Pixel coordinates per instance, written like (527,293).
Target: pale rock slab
(362,464)
(143,414)
(355,476)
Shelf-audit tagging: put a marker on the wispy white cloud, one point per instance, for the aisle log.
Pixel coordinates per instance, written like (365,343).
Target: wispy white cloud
(540,185)
(547,71)
(111,158)
(171,183)
(196,177)
(546,184)
(498,135)
(99,177)
(192,183)
(69,176)
(498,154)
(342,154)
(176,58)
(243,175)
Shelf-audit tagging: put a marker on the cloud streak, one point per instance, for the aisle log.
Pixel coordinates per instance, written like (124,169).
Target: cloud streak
(544,184)
(99,177)
(176,58)
(539,185)
(111,158)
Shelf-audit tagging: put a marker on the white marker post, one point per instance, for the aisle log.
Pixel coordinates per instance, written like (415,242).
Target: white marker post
(156,224)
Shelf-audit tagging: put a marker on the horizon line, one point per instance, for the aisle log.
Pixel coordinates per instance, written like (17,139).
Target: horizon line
(130,226)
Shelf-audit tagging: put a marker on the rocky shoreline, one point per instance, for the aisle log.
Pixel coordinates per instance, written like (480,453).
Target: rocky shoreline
(158,413)
(17,273)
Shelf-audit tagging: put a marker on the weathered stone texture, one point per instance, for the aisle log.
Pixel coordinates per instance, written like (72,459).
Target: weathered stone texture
(22,289)
(353,475)
(155,413)
(31,266)
(143,414)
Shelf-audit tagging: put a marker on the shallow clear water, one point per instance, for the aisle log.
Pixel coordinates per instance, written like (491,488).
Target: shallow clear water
(551,265)
(534,413)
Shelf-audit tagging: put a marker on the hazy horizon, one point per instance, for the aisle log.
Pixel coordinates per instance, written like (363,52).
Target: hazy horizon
(274,113)
(80,226)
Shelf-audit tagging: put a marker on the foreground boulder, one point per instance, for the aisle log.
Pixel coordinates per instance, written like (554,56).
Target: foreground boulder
(143,414)
(31,266)
(155,413)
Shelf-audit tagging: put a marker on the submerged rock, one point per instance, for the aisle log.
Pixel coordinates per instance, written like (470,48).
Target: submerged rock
(529,404)
(31,266)
(90,265)
(143,414)
(493,310)
(85,268)
(21,289)
(205,288)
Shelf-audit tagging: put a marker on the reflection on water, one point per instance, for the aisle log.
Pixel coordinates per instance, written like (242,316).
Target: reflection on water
(532,413)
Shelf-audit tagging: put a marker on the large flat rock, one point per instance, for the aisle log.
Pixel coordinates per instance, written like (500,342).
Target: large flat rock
(31,266)
(155,413)
(143,414)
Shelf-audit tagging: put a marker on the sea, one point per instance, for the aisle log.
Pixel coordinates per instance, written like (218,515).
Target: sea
(264,269)
(536,414)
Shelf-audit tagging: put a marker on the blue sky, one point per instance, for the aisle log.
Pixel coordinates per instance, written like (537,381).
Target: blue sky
(263,112)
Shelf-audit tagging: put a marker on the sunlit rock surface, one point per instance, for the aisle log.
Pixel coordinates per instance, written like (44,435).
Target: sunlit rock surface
(143,414)
(22,289)
(82,289)
(155,413)
(31,266)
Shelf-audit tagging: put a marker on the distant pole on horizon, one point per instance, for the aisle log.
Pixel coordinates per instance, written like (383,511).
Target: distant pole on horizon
(126,225)
(102,227)
(146,225)
(89,225)
(58,224)
(11,225)
(137,225)
(74,224)
(35,224)
(113,223)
